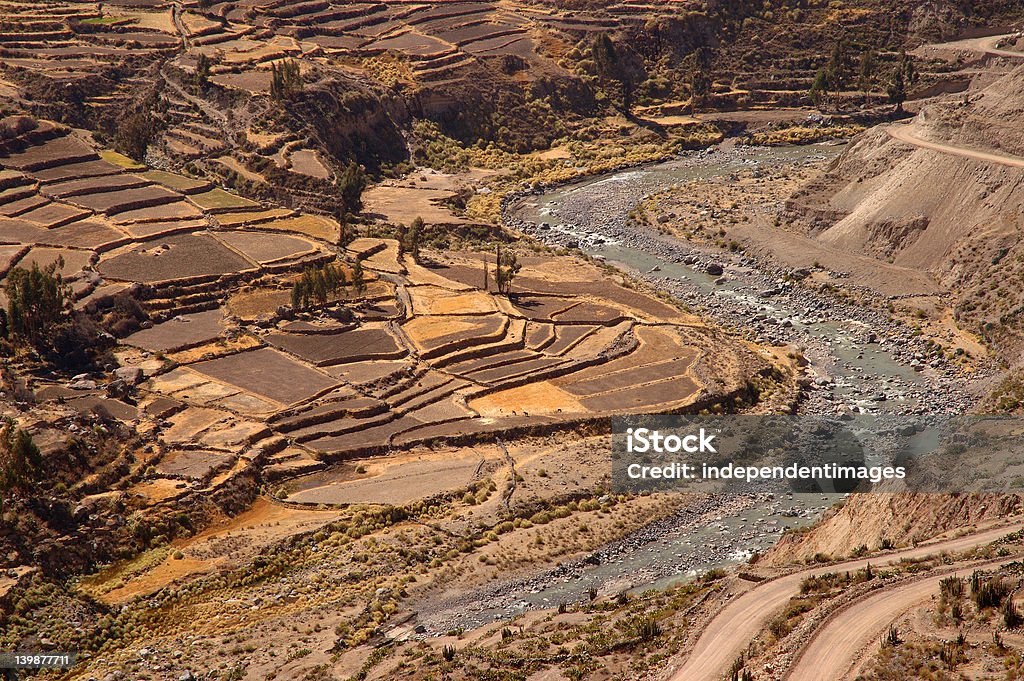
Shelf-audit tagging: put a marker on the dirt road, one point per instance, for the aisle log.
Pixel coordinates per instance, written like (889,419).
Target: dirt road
(904,133)
(987,45)
(739,622)
(837,646)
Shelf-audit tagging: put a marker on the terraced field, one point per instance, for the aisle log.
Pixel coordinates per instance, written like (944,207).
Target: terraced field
(441,367)
(422,355)
(115,228)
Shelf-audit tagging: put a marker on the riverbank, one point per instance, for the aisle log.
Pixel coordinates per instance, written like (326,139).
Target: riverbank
(861,359)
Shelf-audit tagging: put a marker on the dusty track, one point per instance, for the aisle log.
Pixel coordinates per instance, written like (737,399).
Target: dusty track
(729,633)
(981,45)
(837,647)
(903,134)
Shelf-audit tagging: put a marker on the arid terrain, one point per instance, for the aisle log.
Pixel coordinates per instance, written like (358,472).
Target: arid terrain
(315,315)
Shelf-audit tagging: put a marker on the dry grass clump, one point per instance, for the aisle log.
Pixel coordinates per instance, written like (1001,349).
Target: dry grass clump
(800,134)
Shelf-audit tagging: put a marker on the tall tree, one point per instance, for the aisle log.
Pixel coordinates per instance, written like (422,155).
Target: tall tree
(134,134)
(412,238)
(866,72)
(505,270)
(37,301)
(700,77)
(358,278)
(898,86)
(350,187)
(285,80)
(20,459)
(611,67)
(203,67)
(819,91)
(837,70)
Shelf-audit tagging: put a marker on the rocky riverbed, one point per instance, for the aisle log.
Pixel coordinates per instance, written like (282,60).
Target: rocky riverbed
(710,532)
(860,359)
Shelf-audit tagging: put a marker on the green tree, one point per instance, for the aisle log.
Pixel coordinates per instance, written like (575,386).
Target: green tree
(412,238)
(505,270)
(904,75)
(20,460)
(897,90)
(611,67)
(350,187)
(866,71)
(285,80)
(317,285)
(819,88)
(837,70)
(700,77)
(203,67)
(135,132)
(37,302)
(358,278)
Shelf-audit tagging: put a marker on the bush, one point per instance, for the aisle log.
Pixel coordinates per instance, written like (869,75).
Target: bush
(991,593)
(892,638)
(951,588)
(15,126)
(1011,616)
(647,629)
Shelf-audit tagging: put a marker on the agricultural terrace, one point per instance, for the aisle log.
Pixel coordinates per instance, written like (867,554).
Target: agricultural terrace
(229,378)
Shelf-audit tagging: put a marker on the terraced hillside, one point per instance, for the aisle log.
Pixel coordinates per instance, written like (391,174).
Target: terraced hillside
(520,76)
(227,377)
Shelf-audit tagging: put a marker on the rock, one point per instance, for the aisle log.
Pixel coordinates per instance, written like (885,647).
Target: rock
(118,389)
(84,384)
(714,269)
(186,676)
(800,273)
(130,374)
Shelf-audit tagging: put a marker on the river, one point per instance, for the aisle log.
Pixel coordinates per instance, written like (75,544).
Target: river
(864,363)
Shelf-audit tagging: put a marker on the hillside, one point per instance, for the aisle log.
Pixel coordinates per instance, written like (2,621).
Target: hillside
(198,76)
(924,196)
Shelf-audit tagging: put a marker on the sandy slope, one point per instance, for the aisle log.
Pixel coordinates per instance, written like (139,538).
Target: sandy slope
(738,623)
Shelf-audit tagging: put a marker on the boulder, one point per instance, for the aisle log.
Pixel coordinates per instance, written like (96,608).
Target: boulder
(130,375)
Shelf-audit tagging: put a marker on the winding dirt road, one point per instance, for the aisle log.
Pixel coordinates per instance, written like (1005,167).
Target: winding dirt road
(837,647)
(987,46)
(904,133)
(729,633)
